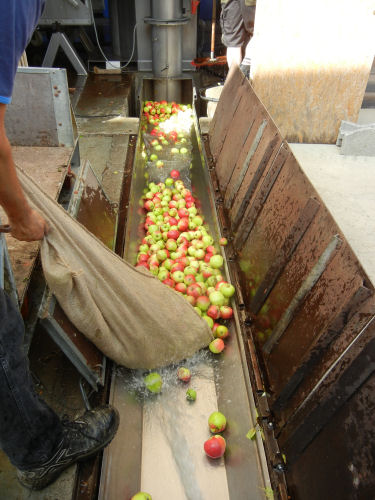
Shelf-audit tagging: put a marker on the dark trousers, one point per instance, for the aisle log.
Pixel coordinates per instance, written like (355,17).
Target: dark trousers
(30,431)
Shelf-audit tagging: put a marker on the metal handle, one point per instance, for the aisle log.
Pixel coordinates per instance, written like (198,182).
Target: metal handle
(5,228)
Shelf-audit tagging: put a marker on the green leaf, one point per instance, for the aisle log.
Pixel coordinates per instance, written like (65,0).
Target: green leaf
(262,433)
(251,434)
(269,493)
(284,457)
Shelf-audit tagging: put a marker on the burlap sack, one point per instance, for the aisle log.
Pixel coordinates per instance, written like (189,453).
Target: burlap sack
(126,312)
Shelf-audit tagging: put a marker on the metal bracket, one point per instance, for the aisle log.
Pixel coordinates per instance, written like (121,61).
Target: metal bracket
(61,40)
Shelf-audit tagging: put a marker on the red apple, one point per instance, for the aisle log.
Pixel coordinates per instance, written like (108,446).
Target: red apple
(215,446)
(175,174)
(180,287)
(169,282)
(217,346)
(226,312)
(213,312)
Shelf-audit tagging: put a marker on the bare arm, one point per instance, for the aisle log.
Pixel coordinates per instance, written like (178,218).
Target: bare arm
(27,224)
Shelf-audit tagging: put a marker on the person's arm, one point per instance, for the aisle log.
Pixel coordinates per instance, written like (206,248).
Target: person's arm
(26,223)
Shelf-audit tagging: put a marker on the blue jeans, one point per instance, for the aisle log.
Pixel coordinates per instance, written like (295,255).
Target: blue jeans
(30,431)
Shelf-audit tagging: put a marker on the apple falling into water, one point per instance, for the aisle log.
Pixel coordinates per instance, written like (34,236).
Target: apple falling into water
(191,395)
(217,422)
(153,382)
(215,446)
(141,495)
(184,374)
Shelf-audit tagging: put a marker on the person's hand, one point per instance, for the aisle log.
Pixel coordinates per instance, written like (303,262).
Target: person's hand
(30,227)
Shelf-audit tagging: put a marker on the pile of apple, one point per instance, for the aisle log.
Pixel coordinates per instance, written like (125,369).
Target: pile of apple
(178,249)
(166,138)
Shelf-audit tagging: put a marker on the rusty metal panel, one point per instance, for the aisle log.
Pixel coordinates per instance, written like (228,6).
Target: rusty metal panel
(355,314)
(282,257)
(262,191)
(339,462)
(244,123)
(226,108)
(342,380)
(244,185)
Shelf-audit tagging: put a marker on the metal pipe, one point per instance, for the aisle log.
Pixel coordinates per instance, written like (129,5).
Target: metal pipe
(166,21)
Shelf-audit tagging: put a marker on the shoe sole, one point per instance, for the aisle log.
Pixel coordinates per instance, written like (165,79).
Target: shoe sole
(82,458)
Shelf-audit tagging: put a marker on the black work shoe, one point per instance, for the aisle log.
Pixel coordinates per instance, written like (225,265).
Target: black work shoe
(245,68)
(82,438)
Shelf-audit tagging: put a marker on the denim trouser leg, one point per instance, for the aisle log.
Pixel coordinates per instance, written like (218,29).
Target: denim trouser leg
(29,430)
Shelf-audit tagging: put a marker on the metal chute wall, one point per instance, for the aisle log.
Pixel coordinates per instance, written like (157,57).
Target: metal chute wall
(309,302)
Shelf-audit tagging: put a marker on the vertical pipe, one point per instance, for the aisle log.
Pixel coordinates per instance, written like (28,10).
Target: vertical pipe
(167,20)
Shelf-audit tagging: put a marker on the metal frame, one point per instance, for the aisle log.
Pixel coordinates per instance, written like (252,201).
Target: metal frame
(61,40)
(47,307)
(50,99)
(67,13)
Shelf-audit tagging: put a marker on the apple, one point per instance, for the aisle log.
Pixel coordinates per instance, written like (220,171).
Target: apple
(180,287)
(203,302)
(159,163)
(184,374)
(213,312)
(169,181)
(191,395)
(163,274)
(161,255)
(221,331)
(227,289)
(177,266)
(217,298)
(197,310)
(210,323)
(178,276)
(216,346)
(223,242)
(174,151)
(217,422)
(141,495)
(171,245)
(189,279)
(169,282)
(191,299)
(194,290)
(216,261)
(215,446)
(153,157)
(173,234)
(226,312)
(183,151)
(153,382)
(183,224)
(190,270)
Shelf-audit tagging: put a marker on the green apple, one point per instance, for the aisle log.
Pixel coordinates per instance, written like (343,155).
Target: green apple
(153,382)
(217,298)
(216,261)
(191,395)
(141,495)
(217,422)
